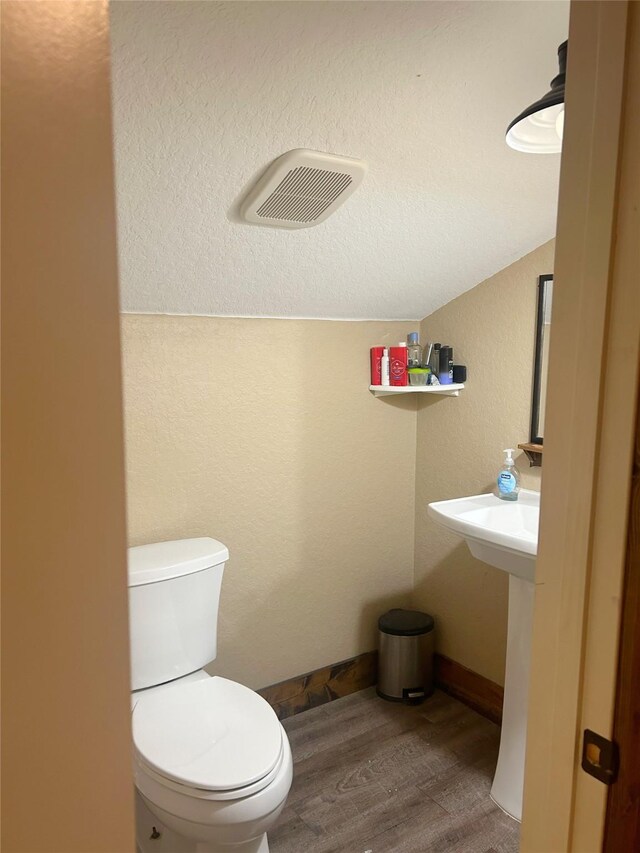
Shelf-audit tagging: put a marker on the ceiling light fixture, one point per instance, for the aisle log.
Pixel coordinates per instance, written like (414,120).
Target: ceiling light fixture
(539,128)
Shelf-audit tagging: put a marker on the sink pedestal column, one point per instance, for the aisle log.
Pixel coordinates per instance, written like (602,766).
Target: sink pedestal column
(508,782)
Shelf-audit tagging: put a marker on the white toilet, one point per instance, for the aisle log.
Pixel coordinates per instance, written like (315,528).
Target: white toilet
(212,764)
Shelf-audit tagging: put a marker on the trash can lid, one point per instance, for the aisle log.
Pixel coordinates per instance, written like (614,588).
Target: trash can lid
(405,623)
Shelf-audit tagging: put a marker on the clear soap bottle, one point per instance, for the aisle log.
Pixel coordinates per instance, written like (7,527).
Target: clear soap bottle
(414,350)
(508,478)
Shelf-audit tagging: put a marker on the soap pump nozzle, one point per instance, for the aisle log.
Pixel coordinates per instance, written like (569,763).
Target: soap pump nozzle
(509,457)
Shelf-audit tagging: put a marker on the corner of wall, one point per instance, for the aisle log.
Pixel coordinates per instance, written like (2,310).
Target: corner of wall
(458,450)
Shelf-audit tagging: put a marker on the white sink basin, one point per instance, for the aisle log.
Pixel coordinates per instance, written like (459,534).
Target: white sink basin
(505,535)
(501,533)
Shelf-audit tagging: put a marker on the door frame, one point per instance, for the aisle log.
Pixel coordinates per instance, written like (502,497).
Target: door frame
(66,715)
(591,409)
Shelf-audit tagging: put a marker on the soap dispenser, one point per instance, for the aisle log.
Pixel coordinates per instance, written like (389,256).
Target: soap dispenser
(508,478)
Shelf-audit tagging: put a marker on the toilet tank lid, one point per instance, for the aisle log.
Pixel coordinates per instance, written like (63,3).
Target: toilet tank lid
(162,561)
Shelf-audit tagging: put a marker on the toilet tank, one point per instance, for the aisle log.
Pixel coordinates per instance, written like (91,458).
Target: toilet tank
(174,592)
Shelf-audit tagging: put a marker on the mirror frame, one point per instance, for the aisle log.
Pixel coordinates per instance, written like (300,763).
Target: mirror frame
(534,438)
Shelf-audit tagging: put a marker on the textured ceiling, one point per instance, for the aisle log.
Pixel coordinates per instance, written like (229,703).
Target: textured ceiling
(207,94)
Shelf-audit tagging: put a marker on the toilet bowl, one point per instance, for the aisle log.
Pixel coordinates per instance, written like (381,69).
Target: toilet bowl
(212,764)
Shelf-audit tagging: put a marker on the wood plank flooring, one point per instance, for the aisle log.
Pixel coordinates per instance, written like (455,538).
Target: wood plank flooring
(377,777)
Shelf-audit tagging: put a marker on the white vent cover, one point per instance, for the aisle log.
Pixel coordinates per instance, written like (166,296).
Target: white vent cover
(302,188)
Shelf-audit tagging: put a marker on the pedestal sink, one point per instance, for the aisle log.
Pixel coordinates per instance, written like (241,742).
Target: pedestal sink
(504,534)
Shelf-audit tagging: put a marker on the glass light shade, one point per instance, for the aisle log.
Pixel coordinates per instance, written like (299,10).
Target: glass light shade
(538,133)
(539,128)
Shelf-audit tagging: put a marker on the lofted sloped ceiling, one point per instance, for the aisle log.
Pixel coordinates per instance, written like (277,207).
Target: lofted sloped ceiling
(207,94)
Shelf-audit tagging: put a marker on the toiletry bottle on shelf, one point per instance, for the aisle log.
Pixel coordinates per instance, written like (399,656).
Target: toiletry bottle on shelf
(445,370)
(508,478)
(414,350)
(450,365)
(434,361)
(384,367)
(427,349)
(376,358)
(398,365)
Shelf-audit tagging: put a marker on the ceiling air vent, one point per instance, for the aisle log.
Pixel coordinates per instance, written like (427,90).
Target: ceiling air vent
(302,188)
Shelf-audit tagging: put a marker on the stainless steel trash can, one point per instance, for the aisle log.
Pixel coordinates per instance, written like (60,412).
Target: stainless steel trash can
(405,660)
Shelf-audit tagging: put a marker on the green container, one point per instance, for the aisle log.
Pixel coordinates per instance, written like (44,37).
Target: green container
(418,375)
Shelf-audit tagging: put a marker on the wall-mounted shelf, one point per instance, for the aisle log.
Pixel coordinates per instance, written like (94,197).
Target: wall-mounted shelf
(534,453)
(443,390)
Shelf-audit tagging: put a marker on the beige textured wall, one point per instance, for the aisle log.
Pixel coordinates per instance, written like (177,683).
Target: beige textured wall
(459,451)
(66,737)
(263,434)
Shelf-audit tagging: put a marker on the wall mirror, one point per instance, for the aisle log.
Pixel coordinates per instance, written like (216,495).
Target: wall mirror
(541,362)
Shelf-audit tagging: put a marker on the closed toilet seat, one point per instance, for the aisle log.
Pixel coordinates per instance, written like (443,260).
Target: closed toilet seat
(211,739)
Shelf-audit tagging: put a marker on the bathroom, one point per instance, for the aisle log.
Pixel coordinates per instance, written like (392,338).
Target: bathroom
(244,356)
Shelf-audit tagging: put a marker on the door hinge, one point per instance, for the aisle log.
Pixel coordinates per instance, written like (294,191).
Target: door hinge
(600,757)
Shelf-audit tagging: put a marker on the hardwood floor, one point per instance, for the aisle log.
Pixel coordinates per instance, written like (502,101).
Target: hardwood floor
(377,777)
